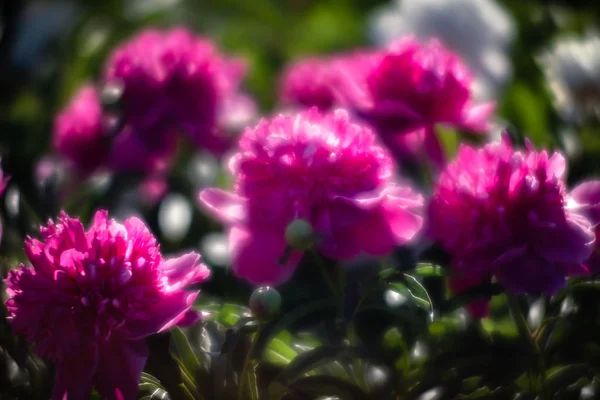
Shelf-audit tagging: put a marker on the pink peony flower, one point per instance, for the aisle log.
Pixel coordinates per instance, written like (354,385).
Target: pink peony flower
(78,131)
(309,82)
(321,168)
(172,82)
(82,134)
(177,80)
(92,297)
(506,213)
(408,87)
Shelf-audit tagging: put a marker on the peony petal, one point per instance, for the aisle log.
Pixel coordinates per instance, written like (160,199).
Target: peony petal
(162,315)
(120,368)
(185,270)
(74,375)
(476,117)
(225,206)
(571,243)
(587,197)
(256,255)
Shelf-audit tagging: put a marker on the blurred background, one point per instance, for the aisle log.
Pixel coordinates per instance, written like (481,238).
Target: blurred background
(539,60)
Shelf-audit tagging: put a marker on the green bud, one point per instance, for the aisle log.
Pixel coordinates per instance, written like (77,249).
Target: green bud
(299,235)
(111,95)
(265,303)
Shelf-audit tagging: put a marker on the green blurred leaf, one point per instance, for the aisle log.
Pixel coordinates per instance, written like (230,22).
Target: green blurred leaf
(414,291)
(528,111)
(467,296)
(184,351)
(471,384)
(274,328)
(481,393)
(431,270)
(327,386)
(279,353)
(562,376)
(306,362)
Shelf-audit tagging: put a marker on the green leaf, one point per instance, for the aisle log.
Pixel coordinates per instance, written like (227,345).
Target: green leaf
(327,386)
(528,382)
(414,291)
(471,384)
(481,393)
(184,351)
(560,377)
(306,362)
(147,378)
(279,353)
(505,327)
(274,327)
(431,270)
(467,296)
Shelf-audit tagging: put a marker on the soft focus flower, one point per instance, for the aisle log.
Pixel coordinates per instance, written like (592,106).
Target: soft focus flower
(572,70)
(92,297)
(309,82)
(78,131)
(410,87)
(175,79)
(321,168)
(161,84)
(481,31)
(507,213)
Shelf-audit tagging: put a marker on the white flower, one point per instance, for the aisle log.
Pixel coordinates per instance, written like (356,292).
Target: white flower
(572,69)
(479,30)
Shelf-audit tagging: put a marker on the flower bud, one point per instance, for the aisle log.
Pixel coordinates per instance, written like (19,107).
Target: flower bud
(265,303)
(299,234)
(111,95)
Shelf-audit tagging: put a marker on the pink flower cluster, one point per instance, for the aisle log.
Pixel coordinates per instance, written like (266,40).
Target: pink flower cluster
(404,90)
(172,82)
(506,213)
(92,297)
(321,168)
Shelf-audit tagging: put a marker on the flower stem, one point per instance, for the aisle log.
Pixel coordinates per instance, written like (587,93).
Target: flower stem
(330,282)
(247,363)
(524,332)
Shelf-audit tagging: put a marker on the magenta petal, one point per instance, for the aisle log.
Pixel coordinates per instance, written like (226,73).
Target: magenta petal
(225,206)
(587,195)
(570,244)
(185,269)
(74,375)
(476,117)
(190,318)
(404,223)
(120,368)
(160,316)
(256,255)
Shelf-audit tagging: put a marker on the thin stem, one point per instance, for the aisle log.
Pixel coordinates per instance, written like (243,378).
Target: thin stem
(519,318)
(247,362)
(332,285)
